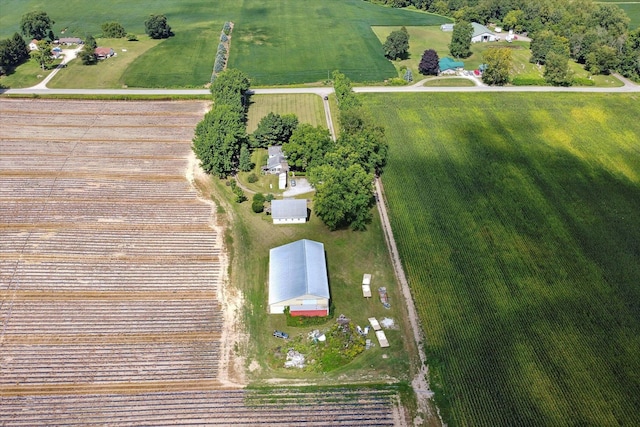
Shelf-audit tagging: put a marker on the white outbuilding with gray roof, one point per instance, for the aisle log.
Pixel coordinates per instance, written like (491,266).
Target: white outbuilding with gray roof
(298,279)
(289,211)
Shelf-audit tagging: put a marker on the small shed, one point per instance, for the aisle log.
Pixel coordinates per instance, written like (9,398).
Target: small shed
(33,44)
(382,339)
(289,211)
(446,27)
(481,34)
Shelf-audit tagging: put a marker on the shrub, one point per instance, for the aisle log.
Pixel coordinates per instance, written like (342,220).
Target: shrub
(583,81)
(226,28)
(224,38)
(269,197)
(132,37)
(528,81)
(257,206)
(113,30)
(252,178)
(396,81)
(259,197)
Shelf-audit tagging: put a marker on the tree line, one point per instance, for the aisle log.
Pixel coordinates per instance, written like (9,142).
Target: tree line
(594,34)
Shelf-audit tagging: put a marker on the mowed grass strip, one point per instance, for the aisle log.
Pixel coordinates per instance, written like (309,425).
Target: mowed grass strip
(307,107)
(517,222)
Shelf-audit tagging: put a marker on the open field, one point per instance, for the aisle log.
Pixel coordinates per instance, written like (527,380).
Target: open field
(284,43)
(111,276)
(632,8)
(517,221)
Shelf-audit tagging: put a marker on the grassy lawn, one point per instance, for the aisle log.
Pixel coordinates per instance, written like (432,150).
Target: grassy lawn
(448,82)
(105,74)
(349,256)
(307,107)
(282,42)
(27,75)
(517,222)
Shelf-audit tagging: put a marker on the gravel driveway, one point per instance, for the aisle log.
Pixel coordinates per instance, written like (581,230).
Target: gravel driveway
(302,186)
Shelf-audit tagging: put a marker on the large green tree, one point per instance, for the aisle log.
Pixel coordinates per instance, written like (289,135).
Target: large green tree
(460,46)
(369,145)
(498,66)
(13,52)
(113,30)
(307,146)
(230,87)
(274,129)
(557,71)
(37,25)
(545,42)
(218,138)
(87,54)
(344,196)
(397,45)
(43,54)
(344,92)
(156,27)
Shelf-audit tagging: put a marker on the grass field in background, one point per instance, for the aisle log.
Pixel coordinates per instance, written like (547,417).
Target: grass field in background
(633,11)
(284,42)
(517,222)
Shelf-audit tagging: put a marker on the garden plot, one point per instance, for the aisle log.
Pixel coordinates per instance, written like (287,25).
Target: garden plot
(344,407)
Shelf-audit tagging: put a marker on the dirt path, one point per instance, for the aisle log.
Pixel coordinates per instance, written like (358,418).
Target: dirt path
(420,382)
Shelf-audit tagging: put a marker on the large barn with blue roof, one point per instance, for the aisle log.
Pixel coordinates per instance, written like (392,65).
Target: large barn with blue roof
(298,279)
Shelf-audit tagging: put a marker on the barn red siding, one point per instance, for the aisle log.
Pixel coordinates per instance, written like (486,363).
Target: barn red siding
(309,313)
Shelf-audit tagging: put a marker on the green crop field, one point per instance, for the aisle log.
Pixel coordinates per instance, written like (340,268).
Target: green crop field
(517,219)
(289,41)
(631,7)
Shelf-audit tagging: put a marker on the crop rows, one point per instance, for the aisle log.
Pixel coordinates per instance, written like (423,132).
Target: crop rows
(116,275)
(138,213)
(88,189)
(104,148)
(517,225)
(357,407)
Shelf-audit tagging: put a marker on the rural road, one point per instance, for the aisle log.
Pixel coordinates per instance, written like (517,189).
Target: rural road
(628,87)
